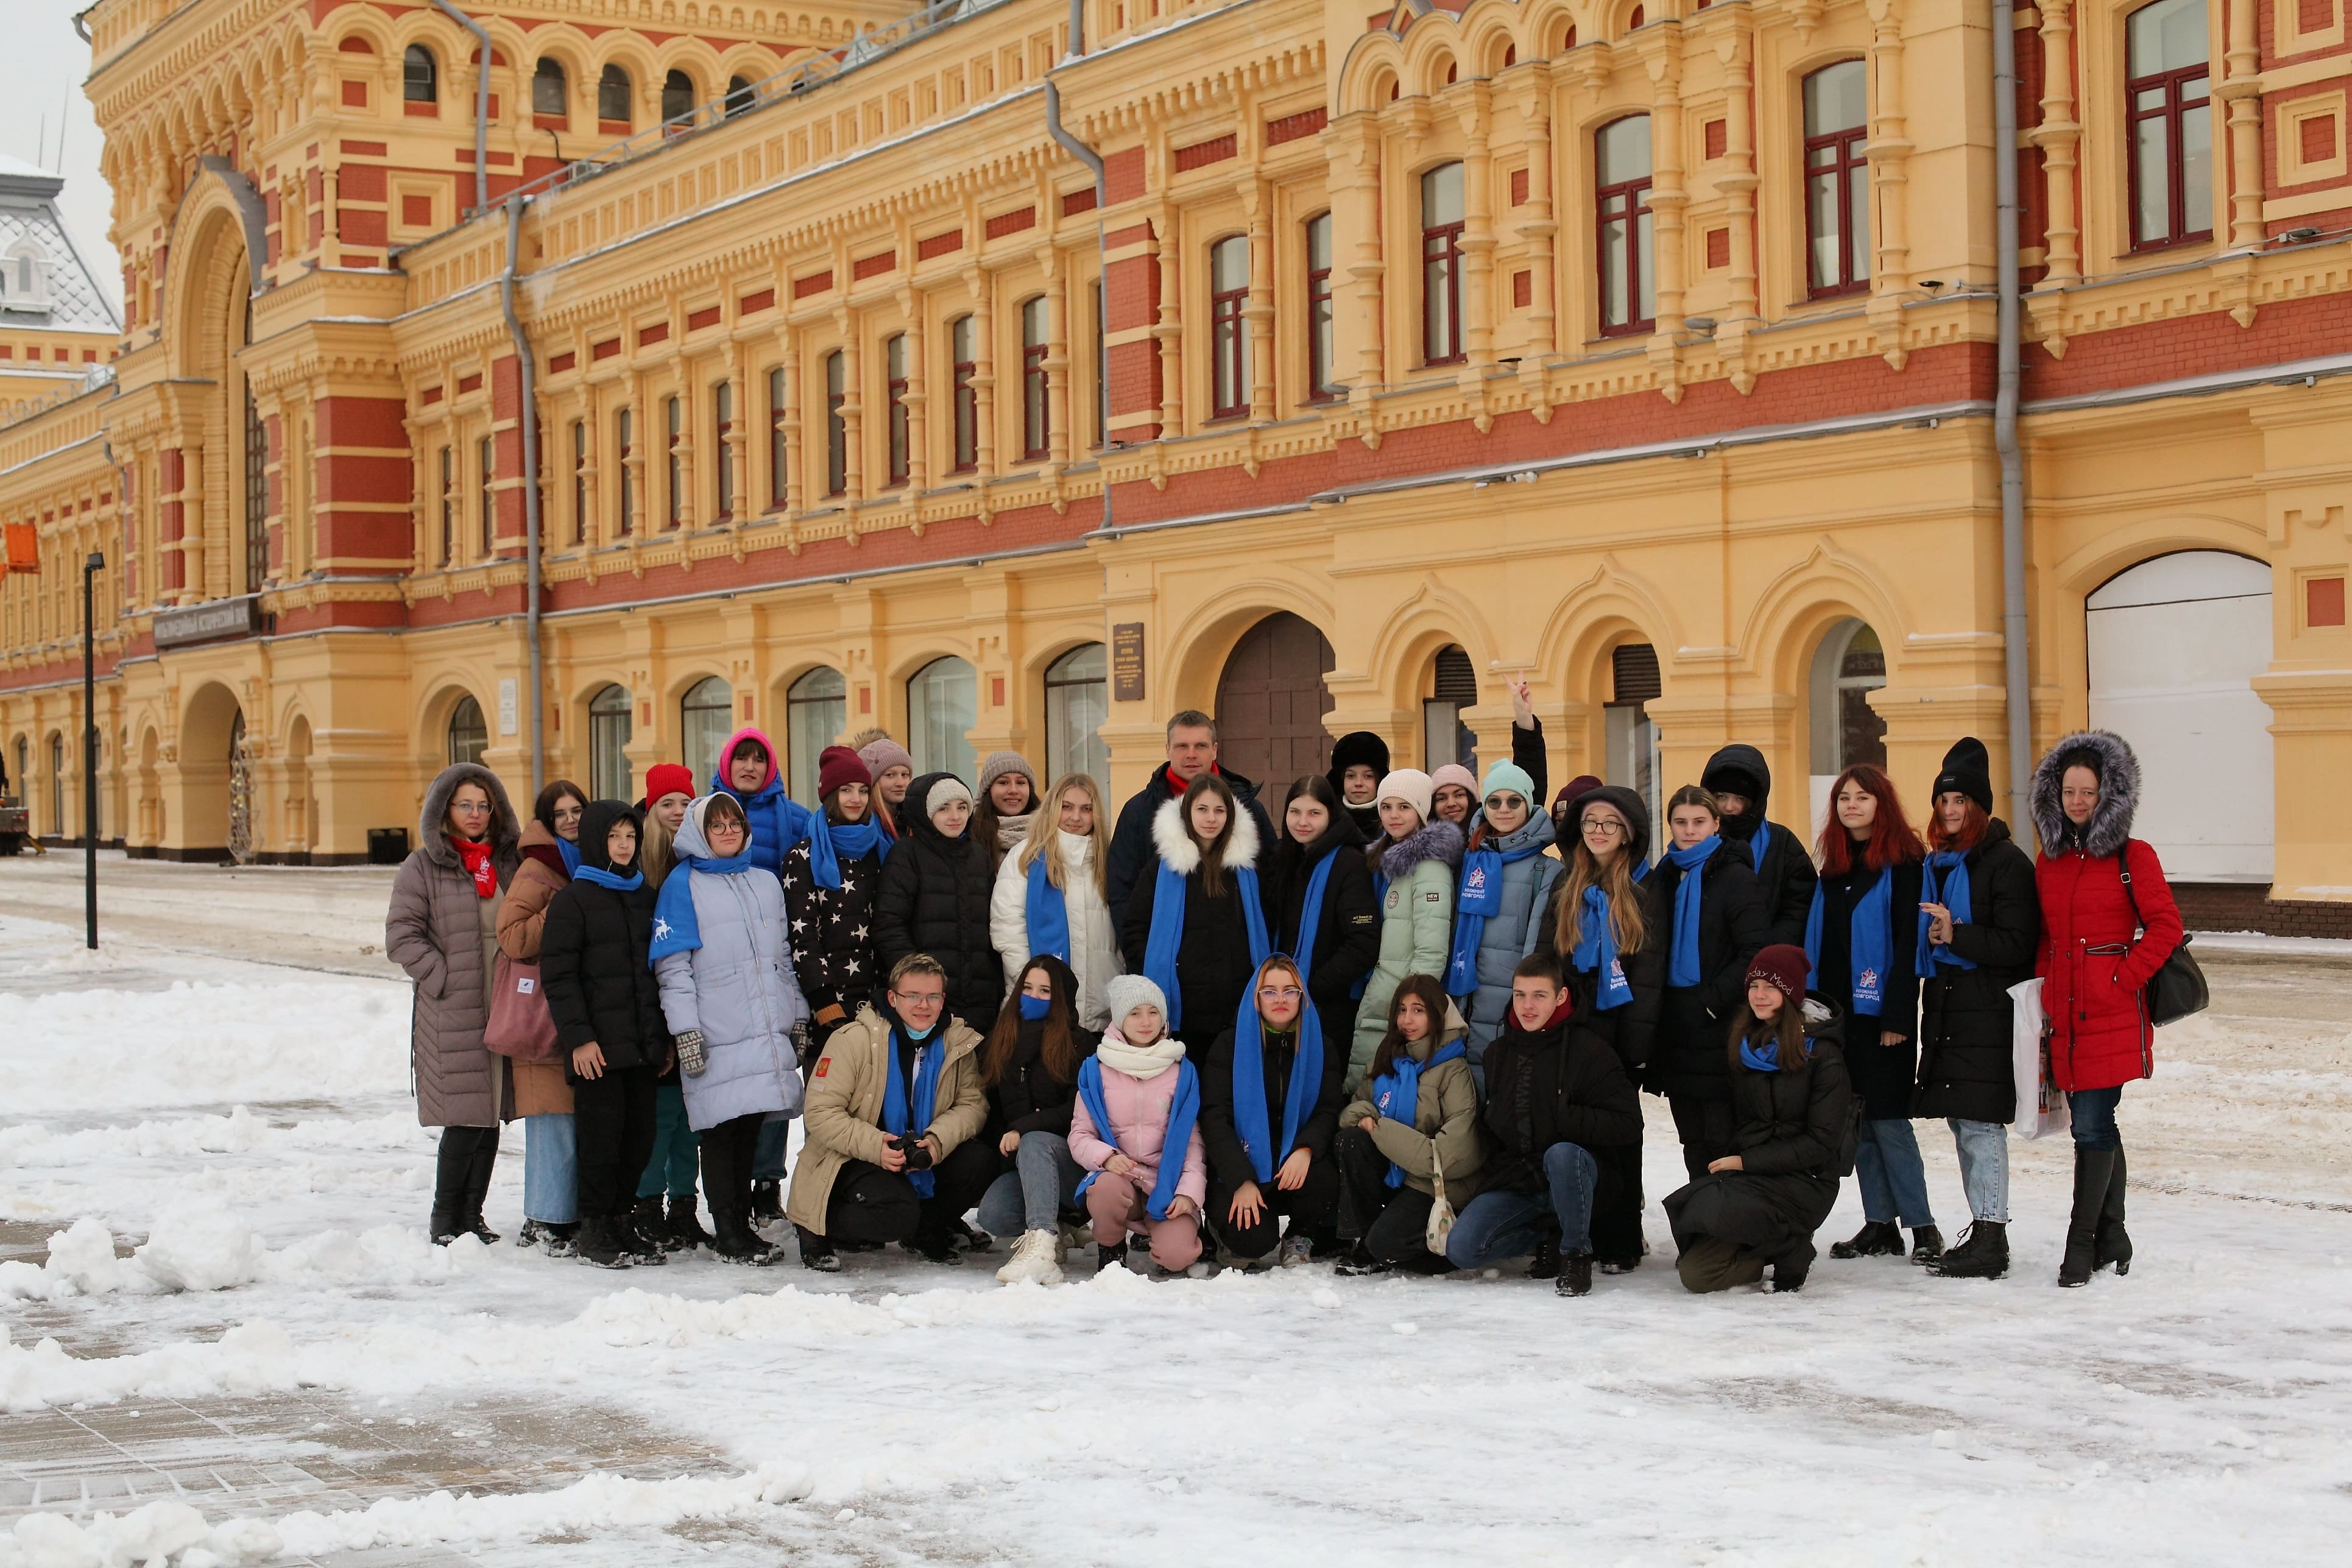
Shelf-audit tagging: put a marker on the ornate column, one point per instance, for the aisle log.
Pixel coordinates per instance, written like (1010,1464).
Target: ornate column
(1475,112)
(1353,145)
(2056,135)
(2243,89)
(1257,202)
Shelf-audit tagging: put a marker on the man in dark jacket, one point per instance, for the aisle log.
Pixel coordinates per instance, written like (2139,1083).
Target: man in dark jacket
(1305,1183)
(1557,1104)
(1192,751)
(1742,784)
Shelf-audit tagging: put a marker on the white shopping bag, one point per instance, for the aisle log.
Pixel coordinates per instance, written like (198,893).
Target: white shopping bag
(2041,1104)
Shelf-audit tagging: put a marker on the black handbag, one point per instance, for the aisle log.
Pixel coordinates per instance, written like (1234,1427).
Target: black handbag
(2178,988)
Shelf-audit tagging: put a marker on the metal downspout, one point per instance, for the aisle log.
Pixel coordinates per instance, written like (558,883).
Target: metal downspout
(482,102)
(2015,654)
(1093,161)
(529,419)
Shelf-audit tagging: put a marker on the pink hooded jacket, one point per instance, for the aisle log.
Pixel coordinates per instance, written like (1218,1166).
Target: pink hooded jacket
(1139,1119)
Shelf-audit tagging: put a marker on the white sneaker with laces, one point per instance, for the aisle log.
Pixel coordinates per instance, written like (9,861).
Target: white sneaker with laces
(1036,1257)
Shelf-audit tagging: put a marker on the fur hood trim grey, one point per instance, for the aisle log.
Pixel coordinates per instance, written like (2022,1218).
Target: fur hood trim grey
(1437,840)
(1183,857)
(432,833)
(2111,820)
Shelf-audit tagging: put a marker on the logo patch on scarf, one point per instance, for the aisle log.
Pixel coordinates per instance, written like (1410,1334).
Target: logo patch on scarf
(1475,882)
(1866,983)
(661,929)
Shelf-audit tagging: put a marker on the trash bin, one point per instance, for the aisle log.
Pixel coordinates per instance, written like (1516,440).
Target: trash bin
(387,845)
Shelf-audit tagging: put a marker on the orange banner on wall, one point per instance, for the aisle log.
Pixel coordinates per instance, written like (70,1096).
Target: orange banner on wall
(24,548)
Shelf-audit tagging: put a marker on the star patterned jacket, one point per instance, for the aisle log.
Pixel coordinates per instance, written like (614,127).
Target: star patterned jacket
(832,935)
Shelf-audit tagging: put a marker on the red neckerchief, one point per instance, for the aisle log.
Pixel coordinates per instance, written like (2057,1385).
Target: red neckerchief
(1175,785)
(476,859)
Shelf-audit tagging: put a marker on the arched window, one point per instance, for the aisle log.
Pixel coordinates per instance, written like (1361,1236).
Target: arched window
(1837,179)
(547,88)
(1453,686)
(943,703)
(837,423)
(2169,63)
(740,95)
(1441,265)
(1626,272)
(817,709)
(1321,358)
(420,76)
(1229,375)
(704,717)
(1078,704)
(1848,667)
(964,363)
(1631,734)
(469,736)
(1036,417)
(612,95)
(608,744)
(894,404)
(678,95)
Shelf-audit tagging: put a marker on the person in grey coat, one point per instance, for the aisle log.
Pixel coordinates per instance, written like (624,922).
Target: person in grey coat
(442,928)
(1497,896)
(729,998)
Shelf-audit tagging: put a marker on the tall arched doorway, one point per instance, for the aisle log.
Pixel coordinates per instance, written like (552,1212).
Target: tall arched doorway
(2174,645)
(1271,702)
(215,781)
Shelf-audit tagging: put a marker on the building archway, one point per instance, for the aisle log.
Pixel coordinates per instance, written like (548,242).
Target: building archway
(211,741)
(2174,643)
(1271,700)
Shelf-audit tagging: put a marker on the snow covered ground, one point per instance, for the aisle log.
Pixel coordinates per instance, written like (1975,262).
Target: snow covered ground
(228,1341)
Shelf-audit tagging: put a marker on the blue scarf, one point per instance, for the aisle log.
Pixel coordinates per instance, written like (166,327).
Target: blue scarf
(1759,844)
(1250,1117)
(898,1116)
(676,928)
(1944,879)
(1765,1057)
(571,854)
(1396,1094)
(1682,959)
(1477,895)
(1311,909)
(601,878)
(853,840)
(779,822)
(1596,952)
(1168,933)
(1049,914)
(1872,943)
(1182,1112)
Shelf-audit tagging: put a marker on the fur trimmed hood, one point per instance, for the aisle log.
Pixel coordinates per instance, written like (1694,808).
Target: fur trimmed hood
(1437,840)
(2111,820)
(1183,857)
(432,835)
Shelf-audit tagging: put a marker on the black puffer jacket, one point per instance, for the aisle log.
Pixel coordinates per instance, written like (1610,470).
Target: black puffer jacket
(1028,1097)
(1131,841)
(1347,938)
(1965,1025)
(934,899)
(1229,1161)
(1795,1137)
(1212,961)
(1558,1085)
(835,934)
(1786,874)
(1686,1058)
(591,958)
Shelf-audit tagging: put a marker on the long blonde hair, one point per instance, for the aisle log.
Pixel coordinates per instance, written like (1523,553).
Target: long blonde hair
(1616,883)
(653,857)
(1046,824)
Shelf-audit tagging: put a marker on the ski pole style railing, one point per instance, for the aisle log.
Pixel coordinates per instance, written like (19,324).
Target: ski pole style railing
(823,66)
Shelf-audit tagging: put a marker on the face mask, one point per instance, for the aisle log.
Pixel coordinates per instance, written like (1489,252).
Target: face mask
(912,1033)
(1036,1007)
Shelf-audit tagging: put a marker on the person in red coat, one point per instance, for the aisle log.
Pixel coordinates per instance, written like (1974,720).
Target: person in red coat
(2108,922)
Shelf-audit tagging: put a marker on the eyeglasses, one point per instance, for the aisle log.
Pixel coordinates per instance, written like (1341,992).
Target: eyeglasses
(916,998)
(471,807)
(1604,827)
(1279,992)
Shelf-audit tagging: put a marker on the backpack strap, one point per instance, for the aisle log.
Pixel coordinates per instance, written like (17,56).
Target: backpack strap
(2123,865)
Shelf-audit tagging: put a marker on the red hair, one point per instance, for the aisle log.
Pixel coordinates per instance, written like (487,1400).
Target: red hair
(1971,833)
(1892,841)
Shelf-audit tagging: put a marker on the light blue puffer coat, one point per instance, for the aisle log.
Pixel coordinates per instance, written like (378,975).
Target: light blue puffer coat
(1504,941)
(737,988)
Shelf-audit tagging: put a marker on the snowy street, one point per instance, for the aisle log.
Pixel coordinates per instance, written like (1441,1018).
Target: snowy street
(228,1340)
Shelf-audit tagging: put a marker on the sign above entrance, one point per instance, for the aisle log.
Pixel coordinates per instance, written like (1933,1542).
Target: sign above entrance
(1127,662)
(217,621)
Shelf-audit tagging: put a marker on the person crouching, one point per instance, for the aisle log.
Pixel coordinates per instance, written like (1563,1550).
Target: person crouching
(1139,1104)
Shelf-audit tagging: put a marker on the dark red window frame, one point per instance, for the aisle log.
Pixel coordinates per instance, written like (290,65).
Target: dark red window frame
(1228,340)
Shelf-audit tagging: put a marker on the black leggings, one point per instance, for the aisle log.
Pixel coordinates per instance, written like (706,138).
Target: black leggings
(461,1175)
(870,1204)
(728,1151)
(614,1123)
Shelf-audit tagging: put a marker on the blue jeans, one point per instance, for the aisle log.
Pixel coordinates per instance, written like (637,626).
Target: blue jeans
(671,1169)
(550,1170)
(1043,1182)
(768,1158)
(1886,1168)
(1983,1149)
(1499,1224)
(2092,1114)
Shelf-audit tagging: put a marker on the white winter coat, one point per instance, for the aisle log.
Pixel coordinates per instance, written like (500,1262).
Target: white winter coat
(1094,944)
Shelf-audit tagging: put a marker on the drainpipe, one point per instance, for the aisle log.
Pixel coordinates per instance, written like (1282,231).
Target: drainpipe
(529,416)
(2015,660)
(1093,161)
(481,101)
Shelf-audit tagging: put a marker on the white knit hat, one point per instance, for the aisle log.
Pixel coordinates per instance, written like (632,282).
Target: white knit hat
(1126,993)
(943,791)
(1411,786)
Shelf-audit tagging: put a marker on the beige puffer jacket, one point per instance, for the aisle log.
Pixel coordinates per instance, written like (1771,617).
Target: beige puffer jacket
(845,1106)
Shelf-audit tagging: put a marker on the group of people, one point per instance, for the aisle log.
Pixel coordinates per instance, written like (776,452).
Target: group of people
(1401,1022)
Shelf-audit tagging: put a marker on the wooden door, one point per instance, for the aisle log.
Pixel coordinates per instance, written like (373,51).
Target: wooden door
(1271,703)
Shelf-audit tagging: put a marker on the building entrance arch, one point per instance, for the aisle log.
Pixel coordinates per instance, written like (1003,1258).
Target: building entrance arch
(1270,704)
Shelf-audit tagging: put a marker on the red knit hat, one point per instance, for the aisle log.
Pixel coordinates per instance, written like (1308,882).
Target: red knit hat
(668,778)
(1784,966)
(838,765)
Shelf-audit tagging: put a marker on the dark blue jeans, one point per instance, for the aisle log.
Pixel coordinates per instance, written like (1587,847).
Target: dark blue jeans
(1501,1224)
(2091,1112)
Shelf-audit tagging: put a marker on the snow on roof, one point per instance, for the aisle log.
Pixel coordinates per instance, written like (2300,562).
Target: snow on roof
(44,281)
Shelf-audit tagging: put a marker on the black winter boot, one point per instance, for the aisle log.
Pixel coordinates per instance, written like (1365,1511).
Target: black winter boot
(1545,1264)
(1790,1270)
(451,1169)
(739,1243)
(2114,1243)
(1575,1274)
(816,1252)
(478,1191)
(767,1202)
(1876,1238)
(1982,1254)
(935,1244)
(1360,1262)
(646,1219)
(643,1244)
(599,1244)
(685,1231)
(1108,1255)
(1926,1244)
(2095,1171)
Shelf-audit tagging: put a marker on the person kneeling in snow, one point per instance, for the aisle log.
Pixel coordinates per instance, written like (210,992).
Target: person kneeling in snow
(1558,1105)
(1139,1100)
(1795,1131)
(895,1114)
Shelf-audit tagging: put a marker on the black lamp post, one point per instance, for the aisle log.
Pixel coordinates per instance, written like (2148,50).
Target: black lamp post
(95,563)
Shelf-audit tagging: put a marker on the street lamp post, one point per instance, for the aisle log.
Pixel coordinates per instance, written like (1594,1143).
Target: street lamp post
(90,570)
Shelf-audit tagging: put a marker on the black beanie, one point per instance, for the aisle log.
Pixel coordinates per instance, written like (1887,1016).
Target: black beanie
(1967,768)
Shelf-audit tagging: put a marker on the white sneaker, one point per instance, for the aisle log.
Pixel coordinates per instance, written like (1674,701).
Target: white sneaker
(1036,1257)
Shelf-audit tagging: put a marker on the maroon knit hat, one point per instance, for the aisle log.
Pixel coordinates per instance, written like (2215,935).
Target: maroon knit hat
(838,765)
(1784,965)
(668,778)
